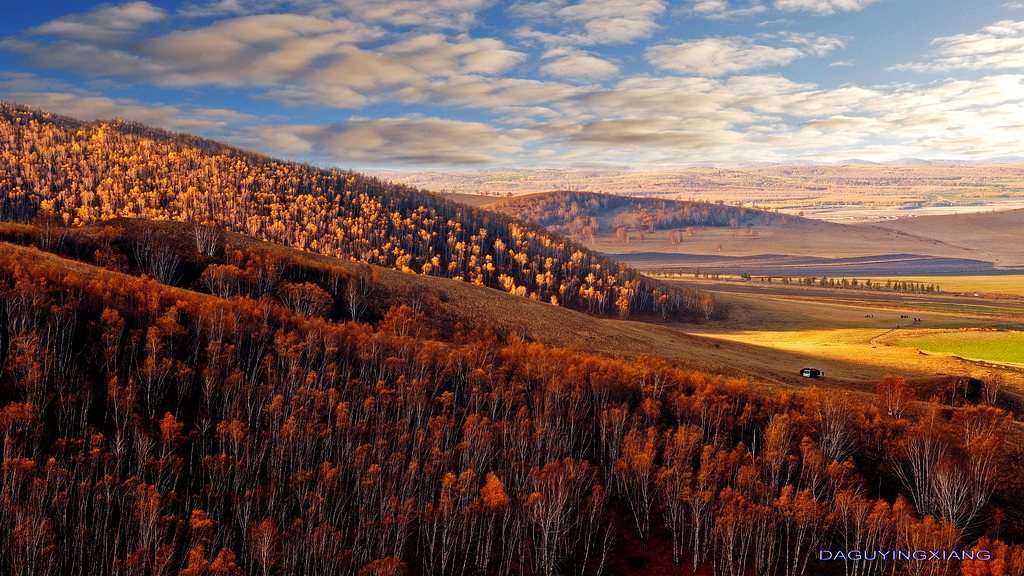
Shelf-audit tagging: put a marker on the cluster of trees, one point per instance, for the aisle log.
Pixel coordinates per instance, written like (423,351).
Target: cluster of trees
(147,429)
(908,286)
(579,214)
(78,173)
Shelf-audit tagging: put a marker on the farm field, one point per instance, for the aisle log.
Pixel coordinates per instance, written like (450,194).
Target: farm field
(857,335)
(773,305)
(1012,284)
(987,345)
(966,285)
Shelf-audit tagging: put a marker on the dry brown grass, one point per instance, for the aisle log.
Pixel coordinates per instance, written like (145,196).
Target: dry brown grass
(982,236)
(993,235)
(849,333)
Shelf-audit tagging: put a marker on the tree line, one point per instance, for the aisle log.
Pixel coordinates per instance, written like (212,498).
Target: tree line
(908,286)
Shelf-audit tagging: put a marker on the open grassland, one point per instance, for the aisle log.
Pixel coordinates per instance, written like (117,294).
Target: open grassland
(856,335)
(453,306)
(762,305)
(1012,284)
(793,239)
(986,345)
(992,235)
(984,285)
(840,192)
(657,234)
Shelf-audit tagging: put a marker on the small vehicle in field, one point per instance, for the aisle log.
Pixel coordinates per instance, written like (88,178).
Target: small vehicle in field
(812,373)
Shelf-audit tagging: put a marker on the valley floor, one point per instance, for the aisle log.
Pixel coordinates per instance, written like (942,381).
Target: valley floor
(857,336)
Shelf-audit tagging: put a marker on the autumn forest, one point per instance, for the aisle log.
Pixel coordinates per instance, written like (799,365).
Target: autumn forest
(216,363)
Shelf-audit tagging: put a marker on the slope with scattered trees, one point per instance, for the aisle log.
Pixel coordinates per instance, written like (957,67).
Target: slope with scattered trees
(583,215)
(174,402)
(76,173)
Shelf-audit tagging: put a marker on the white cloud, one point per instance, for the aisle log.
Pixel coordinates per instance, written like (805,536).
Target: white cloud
(51,95)
(214,8)
(590,21)
(641,121)
(421,14)
(434,55)
(441,14)
(648,120)
(573,64)
(708,6)
(722,9)
(736,54)
(814,44)
(999,46)
(719,56)
(406,141)
(248,50)
(615,21)
(554,92)
(103,24)
(823,6)
(295,57)
(511,95)
(647,133)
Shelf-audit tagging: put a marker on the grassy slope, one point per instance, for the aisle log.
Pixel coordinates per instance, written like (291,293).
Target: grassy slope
(791,236)
(777,332)
(993,234)
(988,345)
(706,347)
(770,360)
(449,302)
(850,333)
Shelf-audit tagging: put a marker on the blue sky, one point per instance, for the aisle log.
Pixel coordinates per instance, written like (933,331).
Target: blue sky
(453,84)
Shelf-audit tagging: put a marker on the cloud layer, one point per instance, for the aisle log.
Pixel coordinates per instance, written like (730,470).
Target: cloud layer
(999,46)
(722,56)
(536,82)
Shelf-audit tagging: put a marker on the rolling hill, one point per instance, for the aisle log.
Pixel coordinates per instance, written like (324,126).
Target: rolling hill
(75,173)
(992,234)
(215,404)
(583,215)
(180,396)
(845,191)
(654,233)
(450,308)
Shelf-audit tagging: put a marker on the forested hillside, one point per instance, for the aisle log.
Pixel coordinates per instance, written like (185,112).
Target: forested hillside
(584,214)
(268,416)
(78,173)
